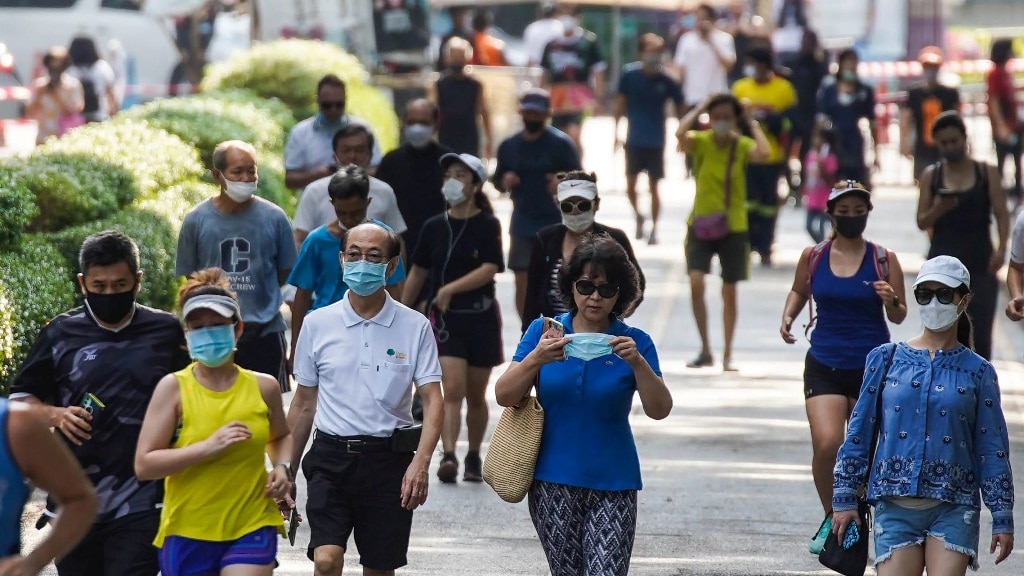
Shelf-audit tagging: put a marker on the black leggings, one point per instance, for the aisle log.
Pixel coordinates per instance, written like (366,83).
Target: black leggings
(982,310)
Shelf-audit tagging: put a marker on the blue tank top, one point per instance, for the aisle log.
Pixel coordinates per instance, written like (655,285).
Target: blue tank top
(13,492)
(851,319)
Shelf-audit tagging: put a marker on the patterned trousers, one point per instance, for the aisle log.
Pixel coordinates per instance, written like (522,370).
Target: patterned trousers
(584,532)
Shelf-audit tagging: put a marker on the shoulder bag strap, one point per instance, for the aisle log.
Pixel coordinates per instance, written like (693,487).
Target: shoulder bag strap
(728,174)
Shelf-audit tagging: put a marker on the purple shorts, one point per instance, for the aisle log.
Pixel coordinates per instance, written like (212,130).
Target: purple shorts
(182,556)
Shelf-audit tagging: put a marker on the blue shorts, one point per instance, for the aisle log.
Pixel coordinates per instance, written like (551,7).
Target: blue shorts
(897,527)
(182,556)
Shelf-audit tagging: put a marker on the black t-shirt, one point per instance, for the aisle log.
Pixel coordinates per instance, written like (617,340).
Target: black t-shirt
(458,100)
(73,357)
(925,104)
(416,178)
(472,242)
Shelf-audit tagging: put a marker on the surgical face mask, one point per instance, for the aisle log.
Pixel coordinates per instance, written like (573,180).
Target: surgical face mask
(851,226)
(110,308)
(569,23)
(364,277)
(211,346)
(937,316)
(533,126)
(418,135)
(239,191)
(722,127)
(578,223)
(588,345)
(749,70)
(848,76)
(955,155)
(453,192)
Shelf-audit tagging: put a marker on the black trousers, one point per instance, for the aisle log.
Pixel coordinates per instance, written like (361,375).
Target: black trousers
(121,547)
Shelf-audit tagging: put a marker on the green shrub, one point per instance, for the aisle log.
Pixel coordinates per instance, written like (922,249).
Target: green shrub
(205,122)
(155,159)
(17,209)
(35,286)
(290,69)
(71,188)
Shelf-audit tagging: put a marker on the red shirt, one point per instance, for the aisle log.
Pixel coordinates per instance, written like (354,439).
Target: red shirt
(1002,92)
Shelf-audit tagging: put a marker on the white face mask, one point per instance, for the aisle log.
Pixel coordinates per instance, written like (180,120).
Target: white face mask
(937,316)
(749,70)
(453,192)
(579,223)
(722,127)
(239,191)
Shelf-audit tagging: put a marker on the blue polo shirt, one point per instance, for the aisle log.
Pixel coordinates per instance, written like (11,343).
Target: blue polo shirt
(645,105)
(587,441)
(318,269)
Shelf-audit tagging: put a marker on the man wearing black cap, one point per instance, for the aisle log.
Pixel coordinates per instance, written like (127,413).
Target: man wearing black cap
(527,165)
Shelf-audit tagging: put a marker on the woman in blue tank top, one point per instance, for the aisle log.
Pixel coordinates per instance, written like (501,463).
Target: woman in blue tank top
(855,285)
(29,452)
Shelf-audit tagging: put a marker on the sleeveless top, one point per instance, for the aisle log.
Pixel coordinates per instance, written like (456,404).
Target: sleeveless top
(458,99)
(851,318)
(964,231)
(221,498)
(13,491)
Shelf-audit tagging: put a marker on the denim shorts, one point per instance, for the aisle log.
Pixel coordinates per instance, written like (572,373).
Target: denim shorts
(897,527)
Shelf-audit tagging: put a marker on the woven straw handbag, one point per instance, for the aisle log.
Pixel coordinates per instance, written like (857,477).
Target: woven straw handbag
(512,455)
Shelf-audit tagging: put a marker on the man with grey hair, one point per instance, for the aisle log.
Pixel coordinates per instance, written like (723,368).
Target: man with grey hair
(251,240)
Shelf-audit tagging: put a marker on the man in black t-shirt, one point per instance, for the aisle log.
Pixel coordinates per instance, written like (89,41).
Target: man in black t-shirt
(925,102)
(96,366)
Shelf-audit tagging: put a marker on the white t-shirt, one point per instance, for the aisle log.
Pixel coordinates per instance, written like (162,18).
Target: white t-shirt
(365,369)
(703,73)
(1017,240)
(315,209)
(538,35)
(102,77)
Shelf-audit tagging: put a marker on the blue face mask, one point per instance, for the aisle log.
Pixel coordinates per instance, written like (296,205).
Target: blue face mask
(211,346)
(588,345)
(364,277)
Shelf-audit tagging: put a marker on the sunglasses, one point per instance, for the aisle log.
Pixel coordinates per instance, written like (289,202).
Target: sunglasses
(606,290)
(849,185)
(583,206)
(944,294)
(332,105)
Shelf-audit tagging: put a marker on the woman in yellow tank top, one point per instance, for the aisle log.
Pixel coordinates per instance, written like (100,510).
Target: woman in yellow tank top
(206,431)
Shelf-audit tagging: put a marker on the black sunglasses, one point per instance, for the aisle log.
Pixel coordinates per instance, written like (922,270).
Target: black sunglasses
(332,105)
(583,206)
(606,290)
(944,294)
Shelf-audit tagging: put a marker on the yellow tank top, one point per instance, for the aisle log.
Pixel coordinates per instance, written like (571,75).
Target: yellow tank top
(221,498)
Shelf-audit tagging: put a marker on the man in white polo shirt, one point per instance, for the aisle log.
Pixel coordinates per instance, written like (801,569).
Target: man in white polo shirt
(356,362)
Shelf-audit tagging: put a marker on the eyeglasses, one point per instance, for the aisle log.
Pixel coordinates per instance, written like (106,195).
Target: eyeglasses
(606,290)
(583,206)
(332,105)
(944,294)
(371,256)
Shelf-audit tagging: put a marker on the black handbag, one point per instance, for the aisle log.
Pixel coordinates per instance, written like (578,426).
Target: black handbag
(853,561)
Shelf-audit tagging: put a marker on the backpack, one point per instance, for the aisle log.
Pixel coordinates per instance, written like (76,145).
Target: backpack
(881,269)
(89,92)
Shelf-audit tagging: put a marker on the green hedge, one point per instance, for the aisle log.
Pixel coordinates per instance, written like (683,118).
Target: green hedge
(71,188)
(17,209)
(290,69)
(34,287)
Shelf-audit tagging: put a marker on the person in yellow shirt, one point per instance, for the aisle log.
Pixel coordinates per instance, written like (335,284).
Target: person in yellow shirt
(205,432)
(771,100)
(721,158)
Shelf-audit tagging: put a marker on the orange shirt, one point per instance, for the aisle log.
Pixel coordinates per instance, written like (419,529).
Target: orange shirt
(487,50)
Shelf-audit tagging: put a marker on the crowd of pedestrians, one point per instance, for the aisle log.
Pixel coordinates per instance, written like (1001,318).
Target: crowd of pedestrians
(389,268)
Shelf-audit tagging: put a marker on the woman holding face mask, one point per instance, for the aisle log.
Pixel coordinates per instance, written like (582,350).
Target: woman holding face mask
(206,432)
(459,251)
(584,493)
(578,202)
(959,197)
(856,285)
(942,445)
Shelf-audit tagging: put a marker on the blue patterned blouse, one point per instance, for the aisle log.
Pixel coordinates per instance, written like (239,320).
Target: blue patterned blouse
(943,435)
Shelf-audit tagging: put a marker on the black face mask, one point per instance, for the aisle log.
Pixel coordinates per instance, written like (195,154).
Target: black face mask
(110,308)
(533,126)
(851,226)
(955,155)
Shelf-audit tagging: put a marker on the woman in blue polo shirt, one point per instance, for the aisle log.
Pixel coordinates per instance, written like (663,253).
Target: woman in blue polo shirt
(583,499)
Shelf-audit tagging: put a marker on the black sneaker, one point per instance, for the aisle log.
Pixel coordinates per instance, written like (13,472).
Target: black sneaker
(473,471)
(448,469)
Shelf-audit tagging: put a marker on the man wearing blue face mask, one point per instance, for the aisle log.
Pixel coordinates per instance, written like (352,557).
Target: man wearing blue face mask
(308,155)
(356,364)
(251,240)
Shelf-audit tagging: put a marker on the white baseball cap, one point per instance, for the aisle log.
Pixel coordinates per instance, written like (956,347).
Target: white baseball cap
(472,162)
(946,270)
(226,306)
(582,188)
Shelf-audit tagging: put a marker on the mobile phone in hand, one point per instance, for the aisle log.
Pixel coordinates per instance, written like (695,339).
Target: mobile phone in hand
(293,525)
(550,324)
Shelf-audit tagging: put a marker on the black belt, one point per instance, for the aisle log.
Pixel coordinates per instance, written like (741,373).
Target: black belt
(355,444)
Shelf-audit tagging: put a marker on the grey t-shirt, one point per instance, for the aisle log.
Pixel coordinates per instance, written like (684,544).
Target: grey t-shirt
(251,247)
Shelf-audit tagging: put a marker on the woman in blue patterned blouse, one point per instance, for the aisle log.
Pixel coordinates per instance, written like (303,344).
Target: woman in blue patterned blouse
(942,440)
